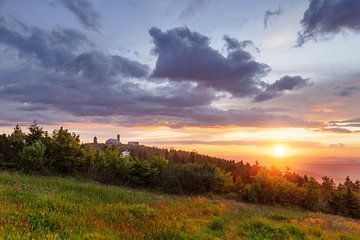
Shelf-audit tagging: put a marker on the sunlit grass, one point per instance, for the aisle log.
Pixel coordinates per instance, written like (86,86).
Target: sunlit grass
(65,208)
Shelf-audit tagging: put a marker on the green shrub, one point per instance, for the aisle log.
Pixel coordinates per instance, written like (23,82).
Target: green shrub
(278,217)
(33,157)
(64,151)
(260,229)
(217,225)
(194,178)
(41,222)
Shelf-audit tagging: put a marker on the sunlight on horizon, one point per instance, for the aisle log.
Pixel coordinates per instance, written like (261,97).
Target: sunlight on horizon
(280,151)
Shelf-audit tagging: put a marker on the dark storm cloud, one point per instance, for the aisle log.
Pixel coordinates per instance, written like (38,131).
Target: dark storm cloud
(184,55)
(269,14)
(51,48)
(277,88)
(102,67)
(324,18)
(85,12)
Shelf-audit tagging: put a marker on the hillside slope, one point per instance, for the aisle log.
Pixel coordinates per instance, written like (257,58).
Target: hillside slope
(34,207)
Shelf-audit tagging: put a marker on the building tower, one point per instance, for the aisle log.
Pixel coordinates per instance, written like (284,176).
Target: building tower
(95,140)
(118,138)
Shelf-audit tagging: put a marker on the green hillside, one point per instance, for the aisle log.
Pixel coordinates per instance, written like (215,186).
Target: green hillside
(33,207)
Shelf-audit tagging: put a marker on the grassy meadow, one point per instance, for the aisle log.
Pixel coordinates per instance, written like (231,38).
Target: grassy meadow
(33,207)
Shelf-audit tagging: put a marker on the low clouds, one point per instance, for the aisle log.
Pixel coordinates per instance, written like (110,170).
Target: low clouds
(343,126)
(348,91)
(184,55)
(325,18)
(354,122)
(85,12)
(81,97)
(335,130)
(269,14)
(277,88)
(129,104)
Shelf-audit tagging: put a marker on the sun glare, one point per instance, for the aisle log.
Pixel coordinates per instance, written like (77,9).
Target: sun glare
(279,150)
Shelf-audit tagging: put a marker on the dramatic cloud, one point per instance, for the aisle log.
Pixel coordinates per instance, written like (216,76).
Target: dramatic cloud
(184,55)
(51,48)
(85,12)
(286,83)
(269,14)
(325,18)
(69,83)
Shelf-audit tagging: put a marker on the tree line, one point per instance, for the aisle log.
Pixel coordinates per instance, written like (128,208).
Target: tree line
(171,171)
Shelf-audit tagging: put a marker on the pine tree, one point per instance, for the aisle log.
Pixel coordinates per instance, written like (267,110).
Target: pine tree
(351,204)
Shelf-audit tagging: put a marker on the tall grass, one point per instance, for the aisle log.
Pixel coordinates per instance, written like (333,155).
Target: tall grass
(33,207)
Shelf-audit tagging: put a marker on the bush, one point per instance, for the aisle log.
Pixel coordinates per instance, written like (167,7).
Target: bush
(184,173)
(142,174)
(193,178)
(266,188)
(260,229)
(217,225)
(64,151)
(33,157)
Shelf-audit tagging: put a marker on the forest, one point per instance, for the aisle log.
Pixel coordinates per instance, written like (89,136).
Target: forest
(60,153)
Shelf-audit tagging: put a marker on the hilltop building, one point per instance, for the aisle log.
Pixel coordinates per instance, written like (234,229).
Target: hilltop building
(113,141)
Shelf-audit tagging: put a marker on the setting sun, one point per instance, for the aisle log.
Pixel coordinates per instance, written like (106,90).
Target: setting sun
(280,151)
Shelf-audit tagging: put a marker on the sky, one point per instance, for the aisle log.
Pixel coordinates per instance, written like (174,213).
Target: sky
(274,81)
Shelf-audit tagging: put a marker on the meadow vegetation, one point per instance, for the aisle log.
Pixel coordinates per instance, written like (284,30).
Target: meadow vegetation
(44,207)
(60,153)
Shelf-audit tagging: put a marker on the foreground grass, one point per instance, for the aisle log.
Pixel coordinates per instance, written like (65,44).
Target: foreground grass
(64,208)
